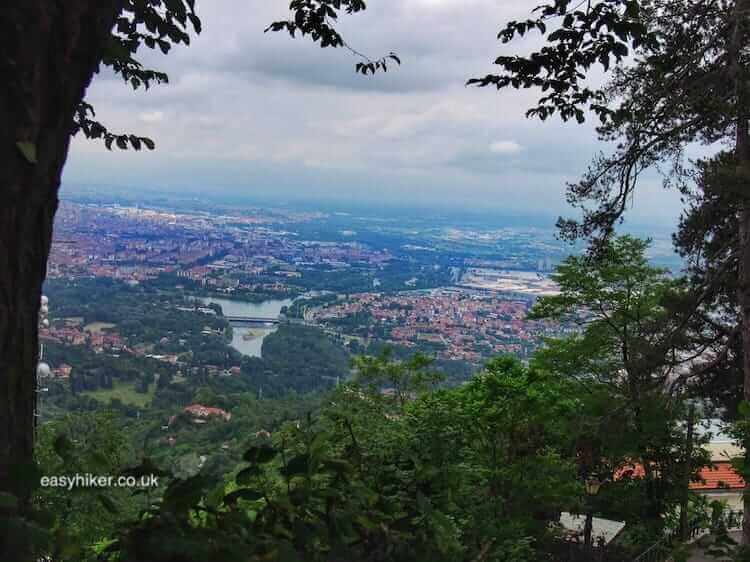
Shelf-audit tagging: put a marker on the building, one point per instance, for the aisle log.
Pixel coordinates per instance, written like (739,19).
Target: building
(720,481)
(717,481)
(204,412)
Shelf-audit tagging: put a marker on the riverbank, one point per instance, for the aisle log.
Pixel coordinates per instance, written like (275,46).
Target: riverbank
(249,340)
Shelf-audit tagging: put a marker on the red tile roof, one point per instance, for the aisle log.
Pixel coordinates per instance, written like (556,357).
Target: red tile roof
(205,411)
(720,476)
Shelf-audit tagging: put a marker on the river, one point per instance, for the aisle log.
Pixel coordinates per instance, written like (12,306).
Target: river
(266,309)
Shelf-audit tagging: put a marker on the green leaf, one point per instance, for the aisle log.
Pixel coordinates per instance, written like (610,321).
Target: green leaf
(196,22)
(183,495)
(215,497)
(104,546)
(339,466)
(318,445)
(28,150)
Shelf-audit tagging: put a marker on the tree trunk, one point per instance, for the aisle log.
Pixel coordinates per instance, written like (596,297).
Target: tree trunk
(588,527)
(742,156)
(25,234)
(49,52)
(688,468)
(744,289)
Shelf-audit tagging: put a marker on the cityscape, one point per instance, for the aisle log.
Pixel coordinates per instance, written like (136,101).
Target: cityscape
(422,280)
(453,307)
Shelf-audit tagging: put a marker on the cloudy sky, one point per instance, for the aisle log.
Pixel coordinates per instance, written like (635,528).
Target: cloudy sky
(262,114)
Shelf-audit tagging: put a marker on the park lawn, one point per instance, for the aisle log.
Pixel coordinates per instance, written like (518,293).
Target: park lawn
(125,392)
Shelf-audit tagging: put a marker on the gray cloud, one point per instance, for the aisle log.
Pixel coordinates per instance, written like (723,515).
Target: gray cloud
(252,112)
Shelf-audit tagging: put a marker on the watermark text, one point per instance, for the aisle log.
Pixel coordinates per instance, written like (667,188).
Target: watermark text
(70,481)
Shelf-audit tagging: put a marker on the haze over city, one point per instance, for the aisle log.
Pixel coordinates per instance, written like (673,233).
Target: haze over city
(310,308)
(263,115)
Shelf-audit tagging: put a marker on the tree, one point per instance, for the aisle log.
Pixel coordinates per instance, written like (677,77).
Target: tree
(471,473)
(680,76)
(628,352)
(707,238)
(494,455)
(49,54)
(406,379)
(628,338)
(83,443)
(519,425)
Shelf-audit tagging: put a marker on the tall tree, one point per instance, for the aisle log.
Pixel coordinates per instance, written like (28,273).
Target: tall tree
(627,338)
(627,353)
(680,76)
(49,53)
(708,240)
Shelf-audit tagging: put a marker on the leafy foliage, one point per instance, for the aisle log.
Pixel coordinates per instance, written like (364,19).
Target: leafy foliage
(316,19)
(627,355)
(621,304)
(156,24)
(84,444)
(405,379)
(27,534)
(162,24)
(577,38)
(708,240)
(472,472)
(677,77)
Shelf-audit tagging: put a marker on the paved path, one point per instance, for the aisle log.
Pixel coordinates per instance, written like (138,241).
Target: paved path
(697,554)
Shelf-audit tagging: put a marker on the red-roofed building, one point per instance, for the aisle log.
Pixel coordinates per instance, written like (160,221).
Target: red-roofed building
(200,411)
(720,476)
(719,481)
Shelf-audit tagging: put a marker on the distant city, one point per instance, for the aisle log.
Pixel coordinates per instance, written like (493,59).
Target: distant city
(453,291)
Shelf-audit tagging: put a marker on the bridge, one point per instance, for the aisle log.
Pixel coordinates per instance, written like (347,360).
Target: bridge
(251,320)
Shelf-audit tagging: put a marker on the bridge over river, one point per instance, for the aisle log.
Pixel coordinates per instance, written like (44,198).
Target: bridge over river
(251,320)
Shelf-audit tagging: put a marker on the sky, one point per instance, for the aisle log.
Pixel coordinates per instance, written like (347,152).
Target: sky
(264,115)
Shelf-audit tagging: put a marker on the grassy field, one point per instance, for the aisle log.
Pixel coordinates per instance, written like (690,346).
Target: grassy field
(98,327)
(125,392)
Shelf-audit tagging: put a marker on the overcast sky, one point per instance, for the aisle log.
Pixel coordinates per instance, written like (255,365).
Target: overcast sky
(248,112)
